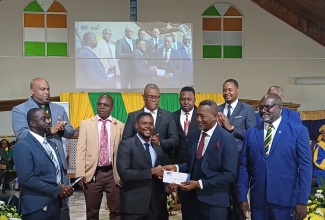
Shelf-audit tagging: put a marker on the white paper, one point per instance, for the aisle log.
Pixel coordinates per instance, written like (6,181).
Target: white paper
(161,72)
(175,177)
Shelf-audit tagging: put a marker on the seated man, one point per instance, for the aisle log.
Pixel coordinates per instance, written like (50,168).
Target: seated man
(319,159)
(3,161)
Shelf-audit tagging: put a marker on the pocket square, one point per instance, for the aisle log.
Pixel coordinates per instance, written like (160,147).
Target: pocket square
(239,116)
(217,145)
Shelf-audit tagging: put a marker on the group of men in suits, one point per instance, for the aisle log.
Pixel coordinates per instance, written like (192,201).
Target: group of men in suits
(134,63)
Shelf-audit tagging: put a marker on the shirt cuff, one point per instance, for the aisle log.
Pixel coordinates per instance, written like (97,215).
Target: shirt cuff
(177,168)
(201,184)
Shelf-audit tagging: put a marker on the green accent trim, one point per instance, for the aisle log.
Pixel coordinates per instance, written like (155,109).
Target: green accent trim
(169,101)
(57,49)
(211,11)
(34,48)
(120,113)
(211,51)
(233,52)
(34,6)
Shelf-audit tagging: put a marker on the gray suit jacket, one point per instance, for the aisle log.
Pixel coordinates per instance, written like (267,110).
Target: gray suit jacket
(140,190)
(21,128)
(165,126)
(242,118)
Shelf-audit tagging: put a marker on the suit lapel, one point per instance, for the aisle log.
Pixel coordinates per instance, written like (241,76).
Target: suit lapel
(277,136)
(158,120)
(40,146)
(194,147)
(113,136)
(178,123)
(193,123)
(236,111)
(95,131)
(141,147)
(260,138)
(221,107)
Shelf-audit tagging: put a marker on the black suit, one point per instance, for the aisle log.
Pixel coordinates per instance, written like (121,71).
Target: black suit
(142,193)
(165,126)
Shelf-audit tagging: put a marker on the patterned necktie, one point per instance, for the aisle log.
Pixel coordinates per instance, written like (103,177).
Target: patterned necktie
(148,153)
(104,149)
(49,151)
(186,123)
(268,138)
(201,146)
(46,109)
(229,111)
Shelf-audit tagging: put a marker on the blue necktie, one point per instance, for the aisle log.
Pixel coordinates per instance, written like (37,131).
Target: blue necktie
(229,111)
(148,152)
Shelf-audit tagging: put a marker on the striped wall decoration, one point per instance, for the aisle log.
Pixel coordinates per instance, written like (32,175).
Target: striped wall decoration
(45,29)
(222,25)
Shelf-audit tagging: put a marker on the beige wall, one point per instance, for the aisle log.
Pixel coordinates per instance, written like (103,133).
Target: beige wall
(274,53)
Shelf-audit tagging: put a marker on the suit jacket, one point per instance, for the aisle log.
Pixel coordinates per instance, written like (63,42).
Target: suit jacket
(286,114)
(124,53)
(37,175)
(242,118)
(151,46)
(108,60)
(21,128)
(284,177)
(173,66)
(165,126)
(180,154)
(141,73)
(140,190)
(87,155)
(186,75)
(219,165)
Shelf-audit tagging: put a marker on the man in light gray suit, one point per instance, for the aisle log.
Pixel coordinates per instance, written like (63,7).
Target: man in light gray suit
(235,117)
(60,125)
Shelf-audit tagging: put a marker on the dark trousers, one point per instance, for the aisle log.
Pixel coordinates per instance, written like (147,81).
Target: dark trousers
(202,211)
(139,217)
(104,182)
(52,212)
(65,211)
(184,200)
(271,211)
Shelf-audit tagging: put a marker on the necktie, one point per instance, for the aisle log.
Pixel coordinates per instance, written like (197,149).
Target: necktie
(201,146)
(46,109)
(268,138)
(103,150)
(186,123)
(229,111)
(148,152)
(156,43)
(165,56)
(49,151)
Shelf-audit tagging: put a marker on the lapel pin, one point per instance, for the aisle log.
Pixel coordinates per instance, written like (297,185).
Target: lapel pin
(279,132)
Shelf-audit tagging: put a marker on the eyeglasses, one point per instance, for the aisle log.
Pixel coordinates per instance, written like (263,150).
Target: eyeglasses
(152,97)
(266,107)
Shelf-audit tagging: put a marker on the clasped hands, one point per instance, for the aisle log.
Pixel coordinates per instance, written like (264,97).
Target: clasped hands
(58,126)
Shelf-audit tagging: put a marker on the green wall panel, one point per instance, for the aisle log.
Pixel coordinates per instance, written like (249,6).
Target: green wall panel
(211,51)
(57,49)
(232,52)
(34,48)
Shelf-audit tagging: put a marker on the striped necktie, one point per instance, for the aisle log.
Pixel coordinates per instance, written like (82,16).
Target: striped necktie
(54,159)
(268,138)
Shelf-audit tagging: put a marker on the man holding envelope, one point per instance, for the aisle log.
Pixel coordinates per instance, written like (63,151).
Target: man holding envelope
(212,165)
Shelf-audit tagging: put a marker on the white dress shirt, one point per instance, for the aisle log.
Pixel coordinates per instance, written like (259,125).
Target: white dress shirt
(153,113)
(274,130)
(233,106)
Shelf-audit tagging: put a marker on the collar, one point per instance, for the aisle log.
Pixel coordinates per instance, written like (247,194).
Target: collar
(148,111)
(275,124)
(233,105)
(190,112)
(37,137)
(210,132)
(109,118)
(142,141)
(40,104)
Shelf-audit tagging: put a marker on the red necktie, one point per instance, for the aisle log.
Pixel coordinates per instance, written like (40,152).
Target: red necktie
(186,123)
(103,150)
(201,146)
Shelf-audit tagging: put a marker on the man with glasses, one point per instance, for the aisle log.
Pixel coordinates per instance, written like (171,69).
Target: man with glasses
(275,166)
(165,131)
(235,117)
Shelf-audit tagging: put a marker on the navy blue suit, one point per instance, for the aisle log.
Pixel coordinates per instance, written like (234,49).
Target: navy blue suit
(37,177)
(151,47)
(186,75)
(218,167)
(284,177)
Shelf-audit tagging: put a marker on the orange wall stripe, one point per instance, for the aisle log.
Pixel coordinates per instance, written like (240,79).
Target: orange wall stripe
(33,20)
(56,21)
(232,12)
(56,7)
(211,24)
(232,24)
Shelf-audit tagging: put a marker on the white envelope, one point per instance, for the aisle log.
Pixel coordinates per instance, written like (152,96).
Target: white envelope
(175,177)
(160,72)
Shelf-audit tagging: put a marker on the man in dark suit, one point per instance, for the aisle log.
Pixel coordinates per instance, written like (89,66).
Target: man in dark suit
(212,163)
(240,118)
(166,59)
(90,70)
(185,54)
(186,122)
(165,131)
(138,164)
(142,73)
(155,42)
(124,51)
(59,121)
(40,172)
(275,151)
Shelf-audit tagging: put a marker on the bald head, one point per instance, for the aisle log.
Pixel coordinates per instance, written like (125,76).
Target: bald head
(270,108)
(128,31)
(40,90)
(277,90)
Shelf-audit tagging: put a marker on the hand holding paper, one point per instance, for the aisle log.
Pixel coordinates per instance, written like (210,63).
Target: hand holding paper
(175,177)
